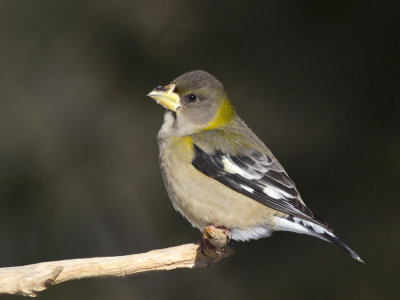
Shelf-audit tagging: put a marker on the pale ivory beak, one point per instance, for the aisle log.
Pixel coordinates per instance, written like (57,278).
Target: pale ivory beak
(166,96)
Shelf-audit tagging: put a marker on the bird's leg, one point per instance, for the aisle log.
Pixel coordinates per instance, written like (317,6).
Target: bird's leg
(225,230)
(215,240)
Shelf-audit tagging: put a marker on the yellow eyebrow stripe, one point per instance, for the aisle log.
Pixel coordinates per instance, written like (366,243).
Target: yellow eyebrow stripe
(224,115)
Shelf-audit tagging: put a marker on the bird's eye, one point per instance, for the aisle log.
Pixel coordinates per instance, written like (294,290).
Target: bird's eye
(192,97)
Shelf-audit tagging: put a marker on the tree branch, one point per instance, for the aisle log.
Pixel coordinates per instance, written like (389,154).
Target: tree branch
(30,279)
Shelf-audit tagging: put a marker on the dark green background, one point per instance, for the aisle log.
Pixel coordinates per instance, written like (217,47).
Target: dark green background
(316,80)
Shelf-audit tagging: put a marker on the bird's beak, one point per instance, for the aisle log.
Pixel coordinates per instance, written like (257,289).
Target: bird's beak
(166,96)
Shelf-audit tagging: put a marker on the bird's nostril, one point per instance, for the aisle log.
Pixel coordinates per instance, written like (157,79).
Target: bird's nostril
(160,88)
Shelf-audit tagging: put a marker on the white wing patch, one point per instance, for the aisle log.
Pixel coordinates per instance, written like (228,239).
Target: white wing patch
(275,193)
(271,191)
(247,188)
(232,168)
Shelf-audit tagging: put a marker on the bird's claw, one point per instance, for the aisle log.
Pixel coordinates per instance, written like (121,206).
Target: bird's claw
(216,241)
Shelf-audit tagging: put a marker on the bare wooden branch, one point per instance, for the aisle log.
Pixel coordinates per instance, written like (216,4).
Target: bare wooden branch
(31,279)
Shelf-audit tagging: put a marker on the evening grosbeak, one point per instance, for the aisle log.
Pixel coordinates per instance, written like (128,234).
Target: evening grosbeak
(218,172)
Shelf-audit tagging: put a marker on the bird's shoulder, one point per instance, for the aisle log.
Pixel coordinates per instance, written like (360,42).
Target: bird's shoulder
(234,138)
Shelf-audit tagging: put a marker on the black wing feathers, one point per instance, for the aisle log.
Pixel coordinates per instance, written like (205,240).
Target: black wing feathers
(260,173)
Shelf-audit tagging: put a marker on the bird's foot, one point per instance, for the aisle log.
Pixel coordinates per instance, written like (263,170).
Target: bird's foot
(216,241)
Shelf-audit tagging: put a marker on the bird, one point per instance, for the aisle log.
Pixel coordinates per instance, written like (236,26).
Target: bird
(217,172)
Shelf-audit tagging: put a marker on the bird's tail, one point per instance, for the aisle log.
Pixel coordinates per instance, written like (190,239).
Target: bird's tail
(330,237)
(298,225)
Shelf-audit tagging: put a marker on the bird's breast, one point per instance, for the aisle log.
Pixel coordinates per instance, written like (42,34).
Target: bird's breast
(202,199)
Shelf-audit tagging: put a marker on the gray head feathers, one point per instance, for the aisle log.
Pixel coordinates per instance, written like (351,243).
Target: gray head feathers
(197,79)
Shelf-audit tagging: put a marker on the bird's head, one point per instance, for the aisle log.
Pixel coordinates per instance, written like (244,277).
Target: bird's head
(197,101)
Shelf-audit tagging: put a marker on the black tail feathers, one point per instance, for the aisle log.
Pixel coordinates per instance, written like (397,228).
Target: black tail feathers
(332,238)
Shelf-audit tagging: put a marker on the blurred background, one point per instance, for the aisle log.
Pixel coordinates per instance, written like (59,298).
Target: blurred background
(79,177)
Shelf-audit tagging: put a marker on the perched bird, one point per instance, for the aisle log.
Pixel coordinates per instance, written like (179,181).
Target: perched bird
(218,172)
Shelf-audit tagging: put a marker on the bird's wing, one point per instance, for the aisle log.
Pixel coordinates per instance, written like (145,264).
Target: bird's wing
(257,176)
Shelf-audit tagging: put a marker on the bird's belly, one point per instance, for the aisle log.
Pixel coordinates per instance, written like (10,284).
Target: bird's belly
(204,201)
